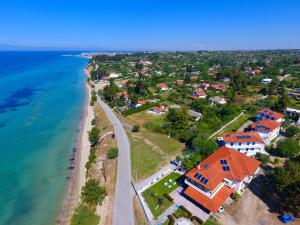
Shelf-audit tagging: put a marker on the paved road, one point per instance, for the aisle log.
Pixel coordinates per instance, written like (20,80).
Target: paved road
(123,206)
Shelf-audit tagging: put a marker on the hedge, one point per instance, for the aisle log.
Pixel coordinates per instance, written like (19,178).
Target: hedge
(167,196)
(172,220)
(197,219)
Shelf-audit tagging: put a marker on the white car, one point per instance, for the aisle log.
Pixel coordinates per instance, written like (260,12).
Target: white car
(221,209)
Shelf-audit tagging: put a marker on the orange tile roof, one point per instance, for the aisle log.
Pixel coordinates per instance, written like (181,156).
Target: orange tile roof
(161,85)
(211,168)
(212,204)
(271,113)
(270,124)
(242,137)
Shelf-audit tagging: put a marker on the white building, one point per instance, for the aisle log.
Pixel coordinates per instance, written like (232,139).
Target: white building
(248,143)
(217,99)
(268,130)
(267,114)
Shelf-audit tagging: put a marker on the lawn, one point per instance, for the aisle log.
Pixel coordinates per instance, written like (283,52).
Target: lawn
(154,196)
(144,158)
(149,150)
(238,123)
(211,221)
(181,212)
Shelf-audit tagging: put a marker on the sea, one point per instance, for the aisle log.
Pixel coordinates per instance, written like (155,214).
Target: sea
(42,96)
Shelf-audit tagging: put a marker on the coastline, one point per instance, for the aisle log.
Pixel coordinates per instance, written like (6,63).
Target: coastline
(78,160)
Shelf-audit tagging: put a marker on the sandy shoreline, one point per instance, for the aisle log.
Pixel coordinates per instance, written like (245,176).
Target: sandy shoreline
(79,158)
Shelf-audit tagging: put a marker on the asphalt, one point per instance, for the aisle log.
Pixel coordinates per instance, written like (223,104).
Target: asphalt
(123,205)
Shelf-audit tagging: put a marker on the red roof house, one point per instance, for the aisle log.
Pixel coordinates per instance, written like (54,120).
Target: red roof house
(197,94)
(267,129)
(162,86)
(268,114)
(223,172)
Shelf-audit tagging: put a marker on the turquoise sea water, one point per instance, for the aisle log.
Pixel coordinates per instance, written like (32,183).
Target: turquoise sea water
(41,103)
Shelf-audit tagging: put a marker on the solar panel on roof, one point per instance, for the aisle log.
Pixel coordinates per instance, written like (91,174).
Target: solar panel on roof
(205,181)
(226,168)
(196,175)
(223,162)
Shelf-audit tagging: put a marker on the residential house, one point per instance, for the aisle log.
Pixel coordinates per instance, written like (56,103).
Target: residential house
(162,86)
(218,87)
(248,143)
(179,82)
(270,115)
(218,176)
(218,99)
(198,94)
(268,130)
(292,112)
(266,81)
(204,85)
(123,94)
(158,110)
(194,114)
(114,75)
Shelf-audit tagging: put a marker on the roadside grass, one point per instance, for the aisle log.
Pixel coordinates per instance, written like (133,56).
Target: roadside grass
(154,195)
(238,123)
(144,159)
(211,221)
(149,150)
(102,121)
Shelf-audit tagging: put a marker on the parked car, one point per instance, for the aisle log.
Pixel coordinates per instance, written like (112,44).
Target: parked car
(286,218)
(221,209)
(175,162)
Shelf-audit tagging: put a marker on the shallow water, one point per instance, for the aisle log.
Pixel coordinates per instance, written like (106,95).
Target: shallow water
(41,103)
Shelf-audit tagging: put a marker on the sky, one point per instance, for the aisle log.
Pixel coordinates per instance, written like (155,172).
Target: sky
(151,24)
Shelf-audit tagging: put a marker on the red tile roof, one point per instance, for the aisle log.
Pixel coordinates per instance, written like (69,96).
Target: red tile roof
(242,137)
(211,168)
(161,85)
(212,204)
(271,113)
(270,124)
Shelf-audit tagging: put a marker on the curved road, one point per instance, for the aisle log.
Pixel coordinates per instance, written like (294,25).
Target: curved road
(123,206)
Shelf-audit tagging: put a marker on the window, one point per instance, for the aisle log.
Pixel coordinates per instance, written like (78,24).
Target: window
(223,162)
(253,143)
(248,143)
(240,144)
(231,143)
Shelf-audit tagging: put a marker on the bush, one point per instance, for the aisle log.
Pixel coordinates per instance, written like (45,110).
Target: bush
(182,212)
(84,215)
(135,128)
(236,196)
(112,153)
(276,161)
(92,159)
(168,197)
(93,122)
(92,193)
(263,158)
(291,131)
(196,219)
(172,220)
(94,136)
(92,103)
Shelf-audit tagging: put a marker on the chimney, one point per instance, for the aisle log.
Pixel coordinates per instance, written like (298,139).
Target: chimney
(198,167)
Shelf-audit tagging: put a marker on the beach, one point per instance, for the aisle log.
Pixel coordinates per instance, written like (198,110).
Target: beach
(77,162)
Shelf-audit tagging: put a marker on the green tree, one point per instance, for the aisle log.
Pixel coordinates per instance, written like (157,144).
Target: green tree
(92,193)
(83,215)
(292,131)
(204,146)
(288,148)
(94,136)
(112,153)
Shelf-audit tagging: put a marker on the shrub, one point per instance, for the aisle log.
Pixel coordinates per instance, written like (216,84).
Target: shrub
(276,161)
(182,212)
(168,197)
(94,136)
(172,220)
(84,215)
(92,103)
(292,131)
(196,219)
(236,196)
(263,158)
(92,159)
(135,128)
(93,122)
(92,193)
(112,153)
